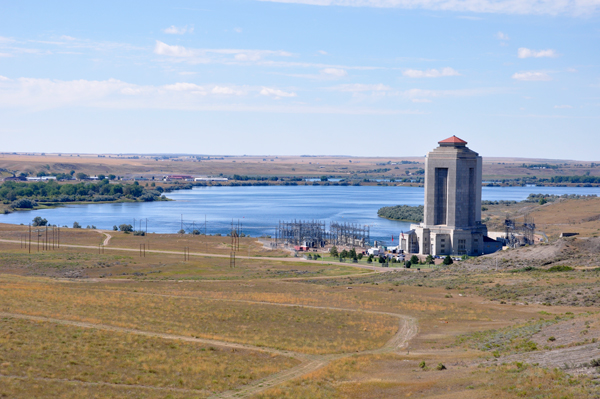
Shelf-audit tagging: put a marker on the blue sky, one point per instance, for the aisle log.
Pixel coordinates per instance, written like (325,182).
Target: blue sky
(340,77)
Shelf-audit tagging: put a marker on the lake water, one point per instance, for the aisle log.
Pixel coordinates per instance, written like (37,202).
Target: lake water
(260,209)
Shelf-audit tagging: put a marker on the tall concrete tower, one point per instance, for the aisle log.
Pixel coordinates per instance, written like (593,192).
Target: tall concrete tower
(453,185)
(452,223)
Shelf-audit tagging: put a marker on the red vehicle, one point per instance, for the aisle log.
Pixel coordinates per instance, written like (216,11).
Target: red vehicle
(300,248)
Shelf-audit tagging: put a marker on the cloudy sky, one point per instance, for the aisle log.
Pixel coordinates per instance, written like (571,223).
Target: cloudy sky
(515,78)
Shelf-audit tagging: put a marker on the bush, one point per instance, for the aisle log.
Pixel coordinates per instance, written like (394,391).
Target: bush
(139,233)
(560,268)
(126,228)
(333,252)
(23,203)
(196,232)
(38,221)
(448,260)
(429,260)
(422,364)
(414,259)
(408,264)
(115,228)
(440,367)
(182,231)
(76,225)
(359,256)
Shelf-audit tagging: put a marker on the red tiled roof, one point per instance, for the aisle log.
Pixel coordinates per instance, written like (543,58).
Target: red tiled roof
(452,140)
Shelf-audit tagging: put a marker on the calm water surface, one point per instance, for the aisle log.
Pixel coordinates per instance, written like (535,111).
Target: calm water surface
(259,209)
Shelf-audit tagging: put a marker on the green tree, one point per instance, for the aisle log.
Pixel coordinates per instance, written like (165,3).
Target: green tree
(76,225)
(39,221)
(370,259)
(111,177)
(101,177)
(429,260)
(543,201)
(81,176)
(126,228)
(408,264)
(414,260)
(115,228)
(360,256)
(344,254)
(448,260)
(352,253)
(333,252)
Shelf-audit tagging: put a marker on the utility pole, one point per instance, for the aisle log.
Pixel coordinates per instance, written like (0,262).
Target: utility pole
(29,237)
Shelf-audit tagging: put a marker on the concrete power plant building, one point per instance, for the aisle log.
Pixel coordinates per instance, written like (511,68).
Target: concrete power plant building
(452,223)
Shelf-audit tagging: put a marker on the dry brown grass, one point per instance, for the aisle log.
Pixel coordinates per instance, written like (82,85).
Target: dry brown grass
(59,352)
(280,166)
(580,216)
(290,328)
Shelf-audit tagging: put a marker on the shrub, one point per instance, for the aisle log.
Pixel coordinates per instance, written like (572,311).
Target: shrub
(126,228)
(23,203)
(360,256)
(139,233)
(414,259)
(408,264)
(333,252)
(559,268)
(39,221)
(115,228)
(448,260)
(440,367)
(76,225)
(422,364)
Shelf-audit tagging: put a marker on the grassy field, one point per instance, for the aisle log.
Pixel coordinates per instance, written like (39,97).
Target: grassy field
(493,168)
(77,323)
(58,352)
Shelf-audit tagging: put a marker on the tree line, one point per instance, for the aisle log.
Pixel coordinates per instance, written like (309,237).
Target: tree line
(27,195)
(402,212)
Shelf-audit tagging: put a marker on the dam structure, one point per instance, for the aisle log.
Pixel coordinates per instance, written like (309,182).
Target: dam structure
(452,220)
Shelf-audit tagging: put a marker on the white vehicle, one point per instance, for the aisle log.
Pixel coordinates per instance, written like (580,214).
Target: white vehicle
(373,251)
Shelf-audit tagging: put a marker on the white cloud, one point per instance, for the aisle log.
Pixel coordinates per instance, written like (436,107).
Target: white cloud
(227,91)
(430,73)
(424,93)
(4,79)
(173,51)
(358,87)
(183,86)
(174,30)
(334,72)
(69,38)
(527,53)
(6,39)
(551,7)
(563,106)
(421,100)
(532,76)
(267,91)
(237,30)
(572,70)
(502,36)
(226,56)
(5,55)
(322,52)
